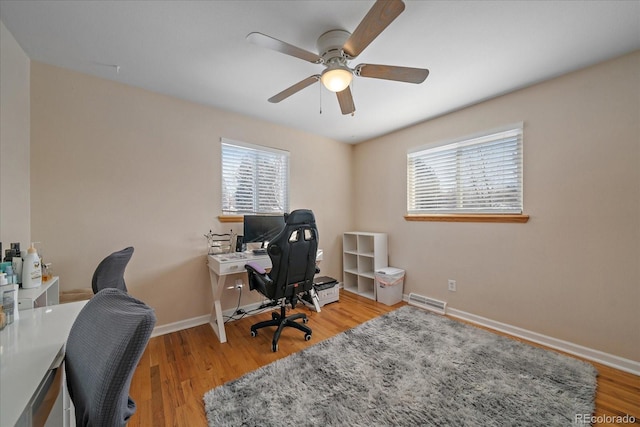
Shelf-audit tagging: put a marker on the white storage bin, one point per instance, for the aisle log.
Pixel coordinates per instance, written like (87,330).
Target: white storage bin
(389,285)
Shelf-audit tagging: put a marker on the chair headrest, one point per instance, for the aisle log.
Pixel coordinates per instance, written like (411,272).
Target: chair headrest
(300,216)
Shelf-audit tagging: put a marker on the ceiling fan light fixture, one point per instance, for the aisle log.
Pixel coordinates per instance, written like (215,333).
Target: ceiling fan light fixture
(336,78)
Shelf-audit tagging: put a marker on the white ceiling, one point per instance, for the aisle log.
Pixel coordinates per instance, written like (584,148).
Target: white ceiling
(196,50)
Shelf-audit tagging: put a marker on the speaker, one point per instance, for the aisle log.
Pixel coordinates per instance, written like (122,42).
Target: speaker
(240,244)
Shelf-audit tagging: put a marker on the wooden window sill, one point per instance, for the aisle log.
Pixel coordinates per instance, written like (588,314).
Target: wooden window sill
(231,218)
(468,217)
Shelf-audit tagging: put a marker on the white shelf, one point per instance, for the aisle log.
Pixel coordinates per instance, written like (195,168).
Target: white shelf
(44,295)
(363,254)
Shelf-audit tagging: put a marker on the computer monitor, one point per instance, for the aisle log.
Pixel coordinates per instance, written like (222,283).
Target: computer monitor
(262,228)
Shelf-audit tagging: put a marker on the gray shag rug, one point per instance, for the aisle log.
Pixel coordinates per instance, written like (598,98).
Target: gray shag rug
(406,368)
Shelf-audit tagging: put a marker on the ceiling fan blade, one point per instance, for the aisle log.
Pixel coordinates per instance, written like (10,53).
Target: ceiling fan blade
(282,47)
(295,88)
(391,72)
(346,101)
(381,14)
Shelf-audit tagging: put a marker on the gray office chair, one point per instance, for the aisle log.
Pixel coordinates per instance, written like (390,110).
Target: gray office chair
(293,259)
(105,344)
(110,271)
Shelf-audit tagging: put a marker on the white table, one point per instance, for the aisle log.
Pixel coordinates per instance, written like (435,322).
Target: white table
(223,265)
(29,348)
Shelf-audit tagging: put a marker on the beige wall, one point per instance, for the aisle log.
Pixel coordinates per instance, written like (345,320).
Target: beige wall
(14,142)
(113,165)
(573,271)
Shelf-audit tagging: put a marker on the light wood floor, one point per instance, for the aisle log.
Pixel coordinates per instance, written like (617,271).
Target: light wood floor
(177,369)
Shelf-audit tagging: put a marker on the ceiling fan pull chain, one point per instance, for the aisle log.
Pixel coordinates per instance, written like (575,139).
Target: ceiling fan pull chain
(320,98)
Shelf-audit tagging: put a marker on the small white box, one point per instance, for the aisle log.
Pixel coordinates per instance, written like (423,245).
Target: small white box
(389,285)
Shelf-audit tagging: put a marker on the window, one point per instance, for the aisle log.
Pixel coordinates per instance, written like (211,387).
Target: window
(478,175)
(255,179)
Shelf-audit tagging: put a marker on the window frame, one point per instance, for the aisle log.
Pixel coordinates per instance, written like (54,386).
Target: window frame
(229,215)
(458,214)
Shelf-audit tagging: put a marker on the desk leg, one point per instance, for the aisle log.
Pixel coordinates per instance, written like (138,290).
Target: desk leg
(216,321)
(315,299)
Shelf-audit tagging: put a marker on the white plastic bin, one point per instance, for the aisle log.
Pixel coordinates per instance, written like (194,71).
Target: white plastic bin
(389,285)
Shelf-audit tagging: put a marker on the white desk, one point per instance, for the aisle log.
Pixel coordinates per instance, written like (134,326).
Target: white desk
(223,265)
(28,349)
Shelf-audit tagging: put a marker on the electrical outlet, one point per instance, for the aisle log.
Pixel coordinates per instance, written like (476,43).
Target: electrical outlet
(452,285)
(239,283)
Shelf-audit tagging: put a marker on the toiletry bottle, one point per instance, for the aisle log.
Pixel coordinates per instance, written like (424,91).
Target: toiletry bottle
(9,272)
(16,262)
(31,270)
(8,302)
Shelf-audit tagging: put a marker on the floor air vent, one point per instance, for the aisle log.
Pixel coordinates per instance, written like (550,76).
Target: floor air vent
(430,304)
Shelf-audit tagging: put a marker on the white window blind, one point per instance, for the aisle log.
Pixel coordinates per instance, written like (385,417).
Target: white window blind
(482,174)
(255,179)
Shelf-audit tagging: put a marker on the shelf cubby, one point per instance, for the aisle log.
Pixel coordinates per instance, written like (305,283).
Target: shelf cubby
(366,287)
(350,282)
(350,243)
(350,262)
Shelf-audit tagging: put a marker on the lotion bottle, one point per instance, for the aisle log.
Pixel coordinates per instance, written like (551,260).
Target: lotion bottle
(31,269)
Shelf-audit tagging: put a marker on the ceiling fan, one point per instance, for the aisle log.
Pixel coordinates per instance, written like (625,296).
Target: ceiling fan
(337,47)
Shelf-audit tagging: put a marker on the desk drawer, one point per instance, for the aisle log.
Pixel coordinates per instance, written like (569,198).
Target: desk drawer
(25,304)
(230,268)
(46,396)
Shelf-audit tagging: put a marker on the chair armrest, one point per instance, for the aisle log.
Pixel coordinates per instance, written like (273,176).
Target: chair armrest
(252,266)
(259,279)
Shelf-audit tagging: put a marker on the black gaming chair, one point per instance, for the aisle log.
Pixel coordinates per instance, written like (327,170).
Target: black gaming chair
(293,259)
(110,271)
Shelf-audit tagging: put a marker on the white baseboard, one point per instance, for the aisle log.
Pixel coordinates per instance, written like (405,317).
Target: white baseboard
(178,326)
(598,356)
(250,309)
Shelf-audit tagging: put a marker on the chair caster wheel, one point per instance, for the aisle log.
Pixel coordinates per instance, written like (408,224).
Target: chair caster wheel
(307,337)
(274,347)
(274,316)
(305,320)
(254,333)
